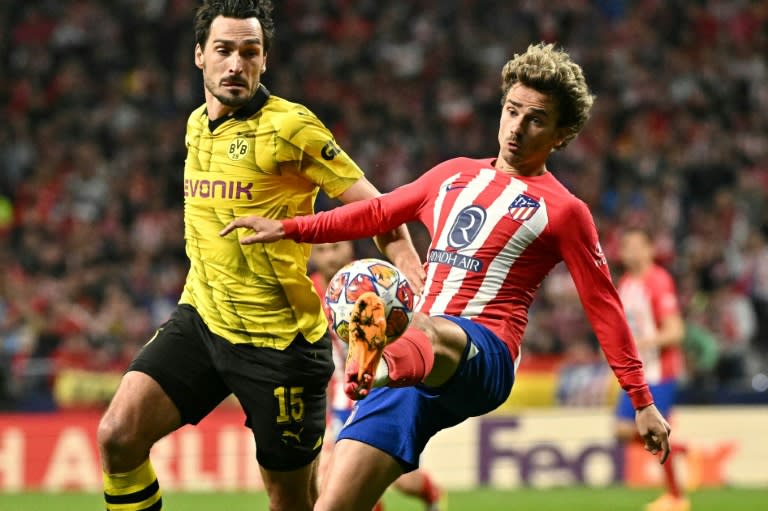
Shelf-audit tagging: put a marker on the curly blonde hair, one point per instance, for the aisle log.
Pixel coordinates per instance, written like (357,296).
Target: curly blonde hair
(551,71)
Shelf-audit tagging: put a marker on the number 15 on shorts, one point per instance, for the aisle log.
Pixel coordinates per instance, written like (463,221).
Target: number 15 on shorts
(290,404)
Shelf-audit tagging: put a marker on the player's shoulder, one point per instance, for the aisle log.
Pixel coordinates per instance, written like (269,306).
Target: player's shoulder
(287,110)
(198,116)
(462,164)
(560,198)
(569,216)
(466,161)
(557,188)
(290,119)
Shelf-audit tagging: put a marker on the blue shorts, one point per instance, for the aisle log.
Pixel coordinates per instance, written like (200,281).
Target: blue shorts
(400,421)
(664,395)
(339,417)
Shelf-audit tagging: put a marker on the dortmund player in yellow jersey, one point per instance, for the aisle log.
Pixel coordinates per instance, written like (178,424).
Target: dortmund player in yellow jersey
(249,321)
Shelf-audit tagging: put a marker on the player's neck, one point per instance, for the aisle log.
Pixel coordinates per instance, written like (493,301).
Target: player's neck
(521,170)
(216,110)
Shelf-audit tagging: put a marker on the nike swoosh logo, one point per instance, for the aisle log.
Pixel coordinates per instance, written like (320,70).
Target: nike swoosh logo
(451,188)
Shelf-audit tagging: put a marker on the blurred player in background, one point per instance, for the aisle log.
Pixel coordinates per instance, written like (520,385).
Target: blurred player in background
(249,321)
(651,306)
(498,226)
(326,260)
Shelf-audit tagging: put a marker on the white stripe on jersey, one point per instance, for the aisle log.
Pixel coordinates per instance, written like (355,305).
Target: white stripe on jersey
(435,228)
(440,199)
(500,267)
(455,277)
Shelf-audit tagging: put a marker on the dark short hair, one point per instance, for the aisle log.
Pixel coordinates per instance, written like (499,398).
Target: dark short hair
(238,9)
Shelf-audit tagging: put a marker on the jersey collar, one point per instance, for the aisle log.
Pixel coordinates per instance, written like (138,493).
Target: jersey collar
(254,105)
(250,108)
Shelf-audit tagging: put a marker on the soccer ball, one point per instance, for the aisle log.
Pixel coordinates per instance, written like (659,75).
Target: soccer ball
(362,276)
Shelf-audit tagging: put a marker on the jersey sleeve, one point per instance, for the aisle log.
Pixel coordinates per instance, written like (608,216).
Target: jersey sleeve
(360,219)
(306,145)
(581,251)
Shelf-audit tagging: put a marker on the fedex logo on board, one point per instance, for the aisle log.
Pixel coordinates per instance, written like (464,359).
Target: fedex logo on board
(556,461)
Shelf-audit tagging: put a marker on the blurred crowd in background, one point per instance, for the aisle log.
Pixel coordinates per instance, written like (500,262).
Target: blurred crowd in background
(96,93)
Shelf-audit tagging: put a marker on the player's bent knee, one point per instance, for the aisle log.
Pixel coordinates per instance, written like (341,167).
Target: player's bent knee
(448,339)
(425,324)
(445,336)
(113,435)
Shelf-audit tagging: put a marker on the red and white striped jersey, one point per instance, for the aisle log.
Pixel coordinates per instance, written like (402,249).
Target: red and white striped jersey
(648,299)
(494,238)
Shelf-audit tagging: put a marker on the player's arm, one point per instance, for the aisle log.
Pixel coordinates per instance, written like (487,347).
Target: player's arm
(356,220)
(307,143)
(580,249)
(396,244)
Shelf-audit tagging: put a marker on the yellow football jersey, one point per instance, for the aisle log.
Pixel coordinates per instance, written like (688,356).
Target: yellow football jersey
(269,159)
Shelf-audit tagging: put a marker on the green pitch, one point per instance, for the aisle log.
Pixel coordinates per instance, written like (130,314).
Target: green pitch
(561,499)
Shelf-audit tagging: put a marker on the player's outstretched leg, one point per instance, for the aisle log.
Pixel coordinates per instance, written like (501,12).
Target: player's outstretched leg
(367,339)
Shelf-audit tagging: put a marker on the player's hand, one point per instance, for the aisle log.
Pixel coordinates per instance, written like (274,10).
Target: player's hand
(654,431)
(414,272)
(265,230)
(403,255)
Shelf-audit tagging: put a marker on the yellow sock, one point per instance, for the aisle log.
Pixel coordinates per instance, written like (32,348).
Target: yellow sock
(136,490)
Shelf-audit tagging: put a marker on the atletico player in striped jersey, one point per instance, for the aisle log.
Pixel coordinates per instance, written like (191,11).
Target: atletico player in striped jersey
(498,226)
(649,296)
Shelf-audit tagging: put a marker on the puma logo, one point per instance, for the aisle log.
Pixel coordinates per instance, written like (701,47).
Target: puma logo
(286,434)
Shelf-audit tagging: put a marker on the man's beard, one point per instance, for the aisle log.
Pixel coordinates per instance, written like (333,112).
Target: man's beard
(232,101)
(229,99)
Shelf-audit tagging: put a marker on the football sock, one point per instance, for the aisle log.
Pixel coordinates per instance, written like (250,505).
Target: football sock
(409,359)
(133,491)
(670,478)
(429,491)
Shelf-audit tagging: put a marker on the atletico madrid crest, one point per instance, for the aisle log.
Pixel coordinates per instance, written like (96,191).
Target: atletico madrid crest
(523,208)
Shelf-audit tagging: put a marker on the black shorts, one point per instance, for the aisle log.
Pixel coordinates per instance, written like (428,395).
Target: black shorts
(283,393)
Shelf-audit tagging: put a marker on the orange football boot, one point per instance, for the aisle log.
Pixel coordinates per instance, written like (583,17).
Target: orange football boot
(367,339)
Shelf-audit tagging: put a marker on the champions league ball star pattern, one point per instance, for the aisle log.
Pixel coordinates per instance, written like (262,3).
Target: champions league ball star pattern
(362,276)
